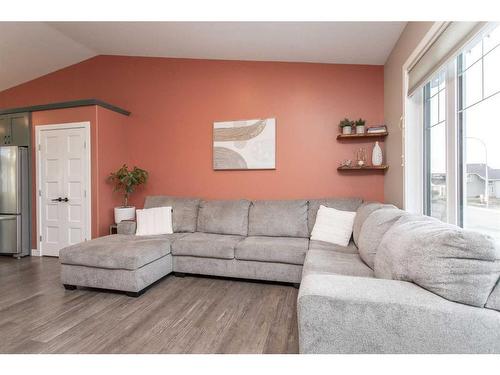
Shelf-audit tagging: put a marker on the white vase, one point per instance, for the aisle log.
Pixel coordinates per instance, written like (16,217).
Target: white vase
(124,213)
(377,157)
(346,130)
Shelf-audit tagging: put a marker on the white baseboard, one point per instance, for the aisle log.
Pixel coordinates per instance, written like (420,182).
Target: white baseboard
(36,253)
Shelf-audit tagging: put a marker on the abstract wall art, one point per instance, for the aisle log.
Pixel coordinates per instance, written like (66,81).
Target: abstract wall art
(246,144)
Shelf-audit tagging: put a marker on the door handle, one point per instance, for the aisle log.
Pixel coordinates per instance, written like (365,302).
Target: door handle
(60,200)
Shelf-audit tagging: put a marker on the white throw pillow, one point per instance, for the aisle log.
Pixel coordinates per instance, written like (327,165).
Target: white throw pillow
(152,221)
(334,226)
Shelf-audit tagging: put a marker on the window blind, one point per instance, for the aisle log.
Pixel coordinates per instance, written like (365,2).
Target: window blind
(453,36)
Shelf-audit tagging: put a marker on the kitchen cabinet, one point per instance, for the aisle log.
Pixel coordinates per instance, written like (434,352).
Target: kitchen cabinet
(15,129)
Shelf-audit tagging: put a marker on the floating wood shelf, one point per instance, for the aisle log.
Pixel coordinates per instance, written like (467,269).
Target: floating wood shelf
(364,168)
(361,136)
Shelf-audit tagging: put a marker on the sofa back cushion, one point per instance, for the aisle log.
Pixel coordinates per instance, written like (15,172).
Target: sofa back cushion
(494,298)
(184,210)
(224,217)
(362,213)
(344,204)
(287,218)
(372,231)
(459,265)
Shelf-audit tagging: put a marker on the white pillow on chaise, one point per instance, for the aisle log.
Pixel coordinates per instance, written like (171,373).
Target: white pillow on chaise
(153,221)
(334,226)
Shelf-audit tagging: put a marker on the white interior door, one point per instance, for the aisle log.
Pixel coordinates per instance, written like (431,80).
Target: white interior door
(64,186)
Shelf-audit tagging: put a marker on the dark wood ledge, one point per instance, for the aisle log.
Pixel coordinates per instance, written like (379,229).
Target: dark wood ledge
(61,105)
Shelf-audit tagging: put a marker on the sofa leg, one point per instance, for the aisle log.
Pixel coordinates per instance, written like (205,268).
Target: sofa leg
(179,274)
(69,287)
(136,294)
(296,285)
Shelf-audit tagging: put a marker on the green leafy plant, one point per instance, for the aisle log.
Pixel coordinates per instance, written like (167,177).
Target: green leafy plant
(126,180)
(345,122)
(360,122)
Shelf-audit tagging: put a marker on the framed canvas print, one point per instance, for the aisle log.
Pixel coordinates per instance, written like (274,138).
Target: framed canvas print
(245,144)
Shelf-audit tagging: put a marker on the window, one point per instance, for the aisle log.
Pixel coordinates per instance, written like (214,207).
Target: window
(460,142)
(435,150)
(479,125)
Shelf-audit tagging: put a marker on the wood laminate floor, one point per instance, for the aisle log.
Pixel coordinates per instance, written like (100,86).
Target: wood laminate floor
(177,315)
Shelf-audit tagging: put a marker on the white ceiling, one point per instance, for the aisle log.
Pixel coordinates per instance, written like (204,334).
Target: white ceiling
(30,50)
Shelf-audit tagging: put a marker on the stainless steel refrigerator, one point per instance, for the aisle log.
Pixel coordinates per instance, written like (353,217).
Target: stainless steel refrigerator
(14,201)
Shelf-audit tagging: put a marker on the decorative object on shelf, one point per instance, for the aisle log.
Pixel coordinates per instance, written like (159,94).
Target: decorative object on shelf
(360,126)
(346,126)
(361,157)
(377,156)
(377,129)
(126,181)
(246,144)
(346,163)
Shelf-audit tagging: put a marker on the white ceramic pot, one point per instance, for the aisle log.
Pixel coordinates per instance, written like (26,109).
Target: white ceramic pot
(124,213)
(346,130)
(360,129)
(377,155)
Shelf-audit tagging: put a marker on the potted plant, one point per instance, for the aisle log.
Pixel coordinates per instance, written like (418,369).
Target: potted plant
(346,126)
(126,181)
(360,126)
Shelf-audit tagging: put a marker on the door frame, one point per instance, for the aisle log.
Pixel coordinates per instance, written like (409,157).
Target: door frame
(38,133)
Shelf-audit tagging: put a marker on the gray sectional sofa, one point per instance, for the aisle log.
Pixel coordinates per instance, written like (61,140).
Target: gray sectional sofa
(261,240)
(404,284)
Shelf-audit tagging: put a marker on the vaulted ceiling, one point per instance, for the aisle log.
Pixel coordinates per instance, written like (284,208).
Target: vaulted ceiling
(31,49)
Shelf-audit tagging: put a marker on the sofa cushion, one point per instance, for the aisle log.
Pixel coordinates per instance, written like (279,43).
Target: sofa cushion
(334,263)
(459,265)
(119,251)
(372,231)
(224,217)
(154,221)
(362,213)
(184,210)
(494,298)
(321,245)
(344,204)
(206,245)
(290,250)
(286,218)
(333,226)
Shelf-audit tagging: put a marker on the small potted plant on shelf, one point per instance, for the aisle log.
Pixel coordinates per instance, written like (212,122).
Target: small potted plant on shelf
(346,126)
(360,126)
(126,181)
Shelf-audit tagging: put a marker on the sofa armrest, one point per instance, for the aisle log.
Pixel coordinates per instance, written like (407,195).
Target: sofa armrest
(343,314)
(126,227)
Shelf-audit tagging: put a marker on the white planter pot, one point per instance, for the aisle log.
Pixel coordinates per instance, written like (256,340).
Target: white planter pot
(346,130)
(124,213)
(360,129)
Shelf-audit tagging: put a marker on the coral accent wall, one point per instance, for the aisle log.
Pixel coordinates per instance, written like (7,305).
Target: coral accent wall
(175,101)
